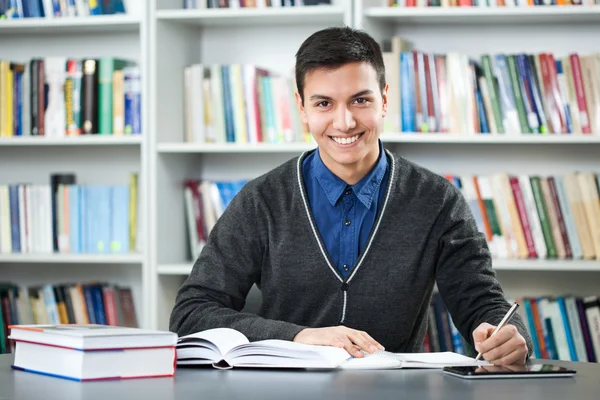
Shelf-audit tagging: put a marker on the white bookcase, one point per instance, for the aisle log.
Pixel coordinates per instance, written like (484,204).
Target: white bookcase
(102,160)
(165,38)
(475,31)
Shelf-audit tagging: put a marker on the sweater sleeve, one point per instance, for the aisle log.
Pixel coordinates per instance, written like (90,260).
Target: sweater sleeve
(465,278)
(229,264)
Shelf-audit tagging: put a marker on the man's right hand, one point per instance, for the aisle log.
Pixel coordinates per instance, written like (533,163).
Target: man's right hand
(351,340)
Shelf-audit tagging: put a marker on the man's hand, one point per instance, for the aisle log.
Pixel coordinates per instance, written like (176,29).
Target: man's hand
(506,347)
(351,340)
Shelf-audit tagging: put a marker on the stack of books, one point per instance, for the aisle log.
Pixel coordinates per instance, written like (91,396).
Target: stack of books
(529,217)
(93,352)
(15,9)
(201,4)
(240,104)
(503,94)
(59,96)
(64,217)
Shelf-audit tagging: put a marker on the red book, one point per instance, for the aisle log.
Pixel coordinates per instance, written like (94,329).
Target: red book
(539,331)
(431,122)
(580,94)
(522,210)
(555,92)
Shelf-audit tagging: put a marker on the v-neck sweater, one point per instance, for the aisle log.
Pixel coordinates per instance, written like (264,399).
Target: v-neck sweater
(424,234)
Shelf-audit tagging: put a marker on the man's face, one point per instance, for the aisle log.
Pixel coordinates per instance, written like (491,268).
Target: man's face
(344,110)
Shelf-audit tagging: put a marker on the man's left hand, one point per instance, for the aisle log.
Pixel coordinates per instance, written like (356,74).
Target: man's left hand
(506,347)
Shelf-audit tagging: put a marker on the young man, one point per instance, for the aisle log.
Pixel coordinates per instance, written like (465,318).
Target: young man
(347,241)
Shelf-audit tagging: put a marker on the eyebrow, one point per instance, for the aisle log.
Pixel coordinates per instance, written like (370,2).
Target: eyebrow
(323,97)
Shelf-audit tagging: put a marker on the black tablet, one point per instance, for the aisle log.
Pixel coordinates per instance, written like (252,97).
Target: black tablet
(521,371)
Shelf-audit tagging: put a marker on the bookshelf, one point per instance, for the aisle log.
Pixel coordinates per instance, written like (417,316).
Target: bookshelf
(164,38)
(480,30)
(95,160)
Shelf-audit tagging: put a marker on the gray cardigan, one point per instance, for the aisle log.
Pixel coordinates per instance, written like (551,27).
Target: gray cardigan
(424,233)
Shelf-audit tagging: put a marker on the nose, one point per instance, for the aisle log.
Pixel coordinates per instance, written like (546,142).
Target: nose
(343,120)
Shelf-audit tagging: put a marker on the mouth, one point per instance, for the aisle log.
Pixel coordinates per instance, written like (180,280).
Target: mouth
(346,140)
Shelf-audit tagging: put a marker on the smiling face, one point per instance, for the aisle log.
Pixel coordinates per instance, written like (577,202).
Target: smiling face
(344,109)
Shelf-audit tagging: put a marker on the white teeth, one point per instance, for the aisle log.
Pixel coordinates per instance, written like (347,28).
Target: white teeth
(346,140)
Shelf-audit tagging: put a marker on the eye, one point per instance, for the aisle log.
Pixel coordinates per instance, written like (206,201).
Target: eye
(361,100)
(323,103)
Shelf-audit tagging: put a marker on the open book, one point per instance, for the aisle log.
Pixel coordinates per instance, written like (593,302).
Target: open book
(226,348)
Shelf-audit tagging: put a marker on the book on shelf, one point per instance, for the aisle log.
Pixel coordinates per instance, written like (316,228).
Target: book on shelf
(236,4)
(561,328)
(536,217)
(17,9)
(205,202)
(89,352)
(69,218)
(241,104)
(226,348)
(487,3)
(500,94)
(59,97)
(70,303)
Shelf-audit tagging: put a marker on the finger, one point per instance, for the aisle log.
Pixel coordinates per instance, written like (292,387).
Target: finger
(351,348)
(482,332)
(502,336)
(516,343)
(374,342)
(516,357)
(361,341)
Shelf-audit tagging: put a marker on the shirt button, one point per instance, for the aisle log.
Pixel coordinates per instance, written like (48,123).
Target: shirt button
(345,267)
(348,191)
(347,222)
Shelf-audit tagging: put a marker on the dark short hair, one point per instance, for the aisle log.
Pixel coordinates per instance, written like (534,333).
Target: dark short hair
(332,48)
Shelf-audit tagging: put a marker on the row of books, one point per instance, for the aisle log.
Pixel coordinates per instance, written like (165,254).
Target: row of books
(251,3)
(536,217)
(499,94)
(13,9)
(65,217)
(69,303)
(563,328)
(58,97)
(205,202)
(241,104)
(487,3)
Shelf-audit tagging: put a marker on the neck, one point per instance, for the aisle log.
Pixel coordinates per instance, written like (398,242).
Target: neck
(352,173)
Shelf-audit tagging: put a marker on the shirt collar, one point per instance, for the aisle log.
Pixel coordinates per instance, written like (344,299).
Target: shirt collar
(365,189)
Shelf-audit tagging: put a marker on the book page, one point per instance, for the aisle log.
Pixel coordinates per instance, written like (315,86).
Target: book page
(289,354)
(224,339)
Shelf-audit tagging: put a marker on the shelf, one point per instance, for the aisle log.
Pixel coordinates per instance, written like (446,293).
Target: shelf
(234,147)
(84,140)
(54,258)
(486,15)
(432,138)
(488,138)
(269,16)
(175,269)
(546,265)
(499,265)
(99,23)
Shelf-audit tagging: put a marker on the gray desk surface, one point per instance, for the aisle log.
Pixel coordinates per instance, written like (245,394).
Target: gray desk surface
(200,384)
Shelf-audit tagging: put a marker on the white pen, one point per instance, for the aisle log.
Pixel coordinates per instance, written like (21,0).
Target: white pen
(504,321)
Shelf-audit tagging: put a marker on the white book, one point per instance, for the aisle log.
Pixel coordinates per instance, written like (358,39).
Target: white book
(29,192)
(216,80)
(55,118)
(568,218)
(574,323)
(198,134)
(249,83)
(48,8)
(5,233)
(82,8)
(226,348)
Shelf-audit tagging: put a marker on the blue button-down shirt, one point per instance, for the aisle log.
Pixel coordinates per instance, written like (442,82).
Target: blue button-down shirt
(344,213)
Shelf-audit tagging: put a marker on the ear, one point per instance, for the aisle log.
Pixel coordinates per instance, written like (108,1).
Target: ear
(384,104)
(301,108)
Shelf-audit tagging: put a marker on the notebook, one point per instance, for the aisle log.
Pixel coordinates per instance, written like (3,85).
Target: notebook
(226,348)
